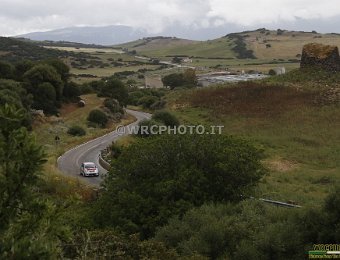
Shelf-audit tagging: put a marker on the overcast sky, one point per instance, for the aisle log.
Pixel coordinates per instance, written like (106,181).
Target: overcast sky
(23,16)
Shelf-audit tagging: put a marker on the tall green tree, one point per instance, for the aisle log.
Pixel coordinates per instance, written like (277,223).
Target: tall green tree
(28,228)
(157,178)
(6,70)
(115,88)
(44,73)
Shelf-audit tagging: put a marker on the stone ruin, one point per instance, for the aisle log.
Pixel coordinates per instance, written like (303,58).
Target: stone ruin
(319,55)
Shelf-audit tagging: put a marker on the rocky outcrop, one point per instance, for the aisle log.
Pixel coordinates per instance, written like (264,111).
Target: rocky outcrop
(319,55)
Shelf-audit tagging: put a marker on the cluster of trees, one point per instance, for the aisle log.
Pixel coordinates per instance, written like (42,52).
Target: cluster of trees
(45,84)
(164,176)
(186,79)
(28,224)
(147,98)
(240,47)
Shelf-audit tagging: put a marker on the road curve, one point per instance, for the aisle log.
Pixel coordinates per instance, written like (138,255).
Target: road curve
(69,163)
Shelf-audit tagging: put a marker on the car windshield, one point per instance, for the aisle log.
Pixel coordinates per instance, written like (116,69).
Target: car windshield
(90,165)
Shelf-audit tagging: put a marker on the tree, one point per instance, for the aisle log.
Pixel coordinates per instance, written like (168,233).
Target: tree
(173,80)
(98,117)
(6,70)
(160,177)
(28,223)
(189,77)
(62,69)
(116,89)
(44,73)
(45,98)
(71,91)
(166,118)
(113,105)
(13,93)
(76,131)
(22,67)
(147,101)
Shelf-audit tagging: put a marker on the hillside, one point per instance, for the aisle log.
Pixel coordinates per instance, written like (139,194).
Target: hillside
(104,35)
(283,44)
(265,44)
(13,49)
(169,46)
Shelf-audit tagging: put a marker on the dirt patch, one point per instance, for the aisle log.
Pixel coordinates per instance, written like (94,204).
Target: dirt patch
(281,165)
(67,109)
(252,99)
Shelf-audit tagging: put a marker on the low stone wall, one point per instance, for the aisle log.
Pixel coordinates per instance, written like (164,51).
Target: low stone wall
(104,163)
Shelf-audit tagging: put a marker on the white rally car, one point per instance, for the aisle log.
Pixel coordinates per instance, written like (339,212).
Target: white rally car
(89,169)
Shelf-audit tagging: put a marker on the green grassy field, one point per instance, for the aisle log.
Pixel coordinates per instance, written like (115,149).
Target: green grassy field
(299,136)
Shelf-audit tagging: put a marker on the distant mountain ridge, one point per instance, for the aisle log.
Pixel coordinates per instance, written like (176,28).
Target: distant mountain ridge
(102,35)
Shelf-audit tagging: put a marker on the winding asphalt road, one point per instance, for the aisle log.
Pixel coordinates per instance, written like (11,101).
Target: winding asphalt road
(69,163)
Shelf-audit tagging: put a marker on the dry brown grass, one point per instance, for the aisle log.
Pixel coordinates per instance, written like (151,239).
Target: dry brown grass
(252,99)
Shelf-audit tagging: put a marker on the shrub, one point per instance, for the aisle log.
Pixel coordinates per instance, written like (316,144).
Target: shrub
(164,176)
(272,72)
(76,131)
(113,105)
(98,117)
(166,118)
(147,101)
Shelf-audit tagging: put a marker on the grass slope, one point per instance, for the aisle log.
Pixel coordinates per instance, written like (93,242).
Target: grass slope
(298,133)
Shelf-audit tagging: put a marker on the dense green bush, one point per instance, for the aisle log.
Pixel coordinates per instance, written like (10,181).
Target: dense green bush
(156,178)
(76,131)
(147,101)
(7,70)
(45,98)
(186,79)
(98,117)
(113,105)
(166,118)
(114,88)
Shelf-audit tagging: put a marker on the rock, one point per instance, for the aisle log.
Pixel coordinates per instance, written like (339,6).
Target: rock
(319,55)
(81,103)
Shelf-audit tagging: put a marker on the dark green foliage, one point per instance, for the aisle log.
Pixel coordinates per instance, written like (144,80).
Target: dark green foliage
(44,73)
(114,88)
(240,47)
(116,150)
(188,79)
(76,131)
(174,80)
(166,118)
(71,91)
(160,177)
(23,49)
(147,101)
(45,98)
(21,67)
(28,223)
(104,244)
(148,98)
(113,105)
(62,69)
(144,128)
(98,117)
(248,230)
(7,70)
(272,72)
(13,93)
